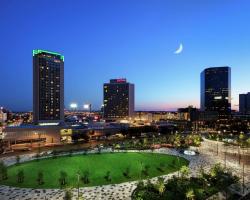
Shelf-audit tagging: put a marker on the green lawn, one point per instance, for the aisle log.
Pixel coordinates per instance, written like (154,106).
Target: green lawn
(97,165)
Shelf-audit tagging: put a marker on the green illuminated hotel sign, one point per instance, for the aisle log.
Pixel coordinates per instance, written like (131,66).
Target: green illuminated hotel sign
(38,51)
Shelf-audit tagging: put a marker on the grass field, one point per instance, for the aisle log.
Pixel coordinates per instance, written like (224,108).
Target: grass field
(97,165)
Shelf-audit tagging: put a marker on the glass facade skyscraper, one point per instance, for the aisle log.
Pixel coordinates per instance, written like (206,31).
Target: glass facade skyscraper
(216,90)
(244,103)
(118,99)
(48,87)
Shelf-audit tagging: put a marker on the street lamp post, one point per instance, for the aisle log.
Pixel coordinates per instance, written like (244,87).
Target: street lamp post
(78,179)
(141,170)
(239,154)
(39,143)
(217,146)
(243,176)
(225,156)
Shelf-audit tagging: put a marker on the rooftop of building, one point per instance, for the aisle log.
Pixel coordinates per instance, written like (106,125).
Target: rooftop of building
(40,51)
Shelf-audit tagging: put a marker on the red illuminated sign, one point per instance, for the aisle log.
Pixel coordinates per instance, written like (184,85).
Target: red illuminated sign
(121,80)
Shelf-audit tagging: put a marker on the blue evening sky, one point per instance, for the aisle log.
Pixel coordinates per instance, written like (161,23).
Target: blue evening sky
(135,39)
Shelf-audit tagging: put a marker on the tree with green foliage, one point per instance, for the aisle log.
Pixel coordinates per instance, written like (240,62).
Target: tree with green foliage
(54,154)
(173,162)
(176,141)
(62,178)
(3,171)
(190,194)
(184,171)
(161,167)
(216,170)
(81,197)
(99,150)
(85,177)
(140,184)
(202,176)
(145,170)
(145,142)
(20,176)
(40,179)
(17,159)
(68,194)
(160,185)
(107,176)
(248,142)
(70,152)
(241,139)
(37,156)
(126,172)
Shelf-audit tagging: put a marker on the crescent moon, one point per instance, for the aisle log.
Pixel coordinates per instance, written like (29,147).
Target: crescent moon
(179,50)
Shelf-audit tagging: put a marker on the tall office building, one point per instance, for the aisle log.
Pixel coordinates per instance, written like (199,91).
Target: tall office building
(244,103)
(118,99)
(216,90)
(48,87)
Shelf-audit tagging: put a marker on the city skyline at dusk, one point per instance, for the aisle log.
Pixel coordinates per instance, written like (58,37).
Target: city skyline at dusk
(124,99)
(138,44)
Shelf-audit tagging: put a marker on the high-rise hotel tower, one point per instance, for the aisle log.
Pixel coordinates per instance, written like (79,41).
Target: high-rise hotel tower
(48,87)
(118,99)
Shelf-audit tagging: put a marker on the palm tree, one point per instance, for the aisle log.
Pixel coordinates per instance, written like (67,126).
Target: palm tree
(241,138)
(85,177)
(177,140)
(160,186)
(81,197)
(40,178)
(17,159)
(184,172)
(126,173)
(3,171)
(20,176)
(190,194)
(145,171)
(68,194)
(37,156)
(108,176)
(248,142)
(62,179)
(201,175)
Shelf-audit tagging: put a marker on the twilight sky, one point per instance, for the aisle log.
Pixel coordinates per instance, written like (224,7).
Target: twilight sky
(135,39)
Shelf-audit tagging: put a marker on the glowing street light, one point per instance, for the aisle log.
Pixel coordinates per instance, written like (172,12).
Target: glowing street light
(87,106)
(73,106)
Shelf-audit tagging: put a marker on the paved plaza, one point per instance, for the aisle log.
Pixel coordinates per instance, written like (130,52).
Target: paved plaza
(123,191)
